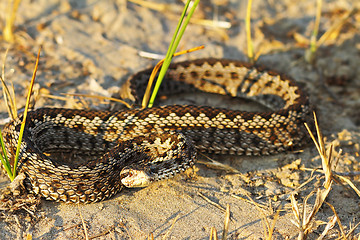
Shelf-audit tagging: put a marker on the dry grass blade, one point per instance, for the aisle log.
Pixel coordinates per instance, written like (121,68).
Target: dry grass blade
(161,7)
(170,229)
(151,55)
(300,216)
(328,227)
(169,8)
(8,97)
(317,22)
(211,163)
(304,183)
(75,104)
(107,231)
(146,97)
(271,230)
(213,234)
(320,146)
(350,184)
(266,225)
(338,220)
(335,28)
(248,201)
(351,232)
(337,177)
(211,202)
(226,222)
(28,236)
(71,227)
(303,222)
(296,212)
(99,97)
(150,236)
(320,198)
(10,20)
(327,160)
(336,161)
(211,23)
(83,223)
(332,33)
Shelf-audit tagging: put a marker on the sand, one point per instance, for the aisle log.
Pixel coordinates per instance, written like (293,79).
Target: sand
(92,47)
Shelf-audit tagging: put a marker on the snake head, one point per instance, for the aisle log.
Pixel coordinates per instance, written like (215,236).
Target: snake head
(134,178)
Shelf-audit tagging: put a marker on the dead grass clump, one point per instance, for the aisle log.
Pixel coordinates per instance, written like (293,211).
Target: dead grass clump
(16,204)
(306,222)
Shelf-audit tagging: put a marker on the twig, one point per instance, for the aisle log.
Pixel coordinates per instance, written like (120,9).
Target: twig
(83,223)
(107,231)
(249,201)
(127,231)
(265,222)
(211,202)
(170,229)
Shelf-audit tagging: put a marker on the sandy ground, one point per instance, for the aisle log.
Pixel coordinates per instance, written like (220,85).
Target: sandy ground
(92,47)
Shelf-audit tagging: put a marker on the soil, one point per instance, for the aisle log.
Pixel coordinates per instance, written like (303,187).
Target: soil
(92,47)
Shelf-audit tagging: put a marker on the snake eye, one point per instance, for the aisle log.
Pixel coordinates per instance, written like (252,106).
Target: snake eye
(126,172)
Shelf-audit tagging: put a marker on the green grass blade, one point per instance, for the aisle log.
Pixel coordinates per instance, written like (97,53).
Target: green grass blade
(4,159)
(182,30)
(172,48)
(168,53)
(168,56)
(3,146)
(313,39)
(25,115)
(22,128)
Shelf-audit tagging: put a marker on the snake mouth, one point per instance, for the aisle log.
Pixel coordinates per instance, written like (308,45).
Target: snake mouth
(159,157)
(134,178)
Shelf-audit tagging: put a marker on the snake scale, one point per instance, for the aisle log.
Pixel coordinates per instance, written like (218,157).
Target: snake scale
(87,156)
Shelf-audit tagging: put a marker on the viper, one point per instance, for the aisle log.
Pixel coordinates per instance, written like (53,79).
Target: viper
(87,156)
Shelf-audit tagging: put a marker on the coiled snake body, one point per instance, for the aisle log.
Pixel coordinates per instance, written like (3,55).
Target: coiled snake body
(89,155)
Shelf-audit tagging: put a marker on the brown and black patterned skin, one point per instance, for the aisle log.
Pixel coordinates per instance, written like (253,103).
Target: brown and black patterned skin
(56,140)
